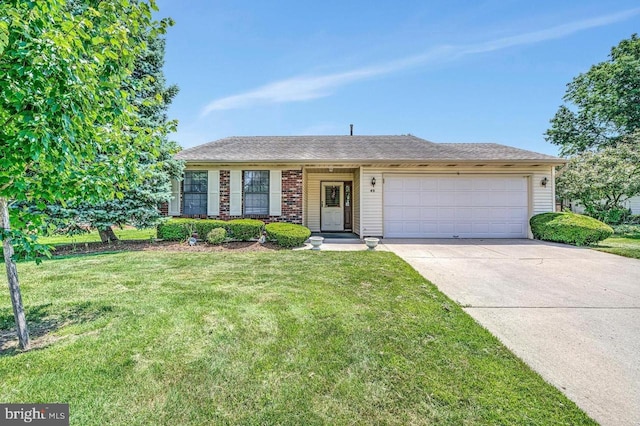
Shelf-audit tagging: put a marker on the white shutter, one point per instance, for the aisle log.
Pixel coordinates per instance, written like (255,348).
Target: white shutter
(213,195)
(275,193)
(174,201)
(235,193)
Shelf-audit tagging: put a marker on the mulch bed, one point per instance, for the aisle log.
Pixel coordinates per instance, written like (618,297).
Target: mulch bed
(146,245)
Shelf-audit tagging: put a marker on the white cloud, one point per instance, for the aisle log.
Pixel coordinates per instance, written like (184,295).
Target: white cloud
(304,88)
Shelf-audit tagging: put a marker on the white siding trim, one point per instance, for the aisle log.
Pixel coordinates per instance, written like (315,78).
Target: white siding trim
(213,196)
(543,197)
(235,193)
(371,209)
(174,201)
(275,193)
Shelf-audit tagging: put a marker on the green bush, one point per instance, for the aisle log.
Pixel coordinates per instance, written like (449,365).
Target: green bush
(217,236)
(244,229)
(173,230)
(627,230)
(204,226)
(288,234)
(569,228)
(181,229)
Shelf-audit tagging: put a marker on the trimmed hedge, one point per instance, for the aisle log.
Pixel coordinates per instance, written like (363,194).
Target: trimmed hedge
(288,234)
(217,236)
(569,228)
(245,229)
(181,229)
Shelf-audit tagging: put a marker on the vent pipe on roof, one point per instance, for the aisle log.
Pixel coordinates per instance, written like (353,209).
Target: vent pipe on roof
(351,126)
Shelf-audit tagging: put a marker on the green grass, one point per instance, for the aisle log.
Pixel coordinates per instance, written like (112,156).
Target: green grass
(298,338)
(90,237)
(622,245)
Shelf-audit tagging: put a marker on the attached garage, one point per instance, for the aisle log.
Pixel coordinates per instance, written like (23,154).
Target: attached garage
(445,206)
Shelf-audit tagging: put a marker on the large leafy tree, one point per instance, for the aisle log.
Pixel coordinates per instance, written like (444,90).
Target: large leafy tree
(139,204)
(68,124)
(602,106)
(603,180)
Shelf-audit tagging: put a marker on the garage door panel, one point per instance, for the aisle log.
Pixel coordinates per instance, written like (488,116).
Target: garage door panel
(517,185)
(481,184)
(446,198)
(428,198)
(393,198)
(517,213)
(480,228)
(497,213)
(428,227)
(393,185)
(429,213)
(411,213)
(515,228)
(412,185)
(446,213)
(447,207)
(446,228)
(463,185)
(464,213)
(516,199)
(446,184)
(464,228)
(428,184)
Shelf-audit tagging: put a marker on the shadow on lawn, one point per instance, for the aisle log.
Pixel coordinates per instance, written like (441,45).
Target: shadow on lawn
(43,321)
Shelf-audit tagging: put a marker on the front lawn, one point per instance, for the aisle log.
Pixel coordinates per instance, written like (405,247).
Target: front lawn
(282,337)
(627,245)
(93,236)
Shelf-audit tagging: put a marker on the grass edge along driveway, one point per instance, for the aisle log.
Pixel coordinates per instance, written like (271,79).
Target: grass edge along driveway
(263,338)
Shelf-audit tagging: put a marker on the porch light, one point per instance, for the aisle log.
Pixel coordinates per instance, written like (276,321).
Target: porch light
(544,181)
(373,182)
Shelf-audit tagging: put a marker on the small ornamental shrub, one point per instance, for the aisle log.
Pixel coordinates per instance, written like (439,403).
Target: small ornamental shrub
(217,236)
(569,228)
(288,234)
(244,229)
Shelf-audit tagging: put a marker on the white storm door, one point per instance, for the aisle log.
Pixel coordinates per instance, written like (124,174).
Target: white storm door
(332,209)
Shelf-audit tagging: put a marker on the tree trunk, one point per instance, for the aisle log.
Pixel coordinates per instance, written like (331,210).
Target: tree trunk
(12,277)
(107,235)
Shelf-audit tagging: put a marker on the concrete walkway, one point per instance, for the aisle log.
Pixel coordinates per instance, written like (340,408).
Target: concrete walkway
(572,314)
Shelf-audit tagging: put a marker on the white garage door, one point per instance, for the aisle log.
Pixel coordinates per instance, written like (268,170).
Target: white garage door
(455,207)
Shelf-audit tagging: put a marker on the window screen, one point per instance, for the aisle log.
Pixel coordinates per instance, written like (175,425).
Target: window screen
(256,192)
(195,193)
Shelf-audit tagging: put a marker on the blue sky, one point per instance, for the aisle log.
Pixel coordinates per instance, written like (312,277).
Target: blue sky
(447,71)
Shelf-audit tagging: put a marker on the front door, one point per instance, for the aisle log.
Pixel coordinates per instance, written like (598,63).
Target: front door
(332,210)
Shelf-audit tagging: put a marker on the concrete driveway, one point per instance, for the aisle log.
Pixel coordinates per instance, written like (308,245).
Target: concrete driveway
(572,314)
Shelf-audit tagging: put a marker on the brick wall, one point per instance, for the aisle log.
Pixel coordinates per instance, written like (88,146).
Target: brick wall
(291,196)
(225,194)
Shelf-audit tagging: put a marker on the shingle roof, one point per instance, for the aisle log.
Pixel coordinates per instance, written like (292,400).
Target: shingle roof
(352,149)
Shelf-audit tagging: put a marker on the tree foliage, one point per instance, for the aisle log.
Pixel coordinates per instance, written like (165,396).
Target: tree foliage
(68,125)
(139,203)
(603,180)
(602,106)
